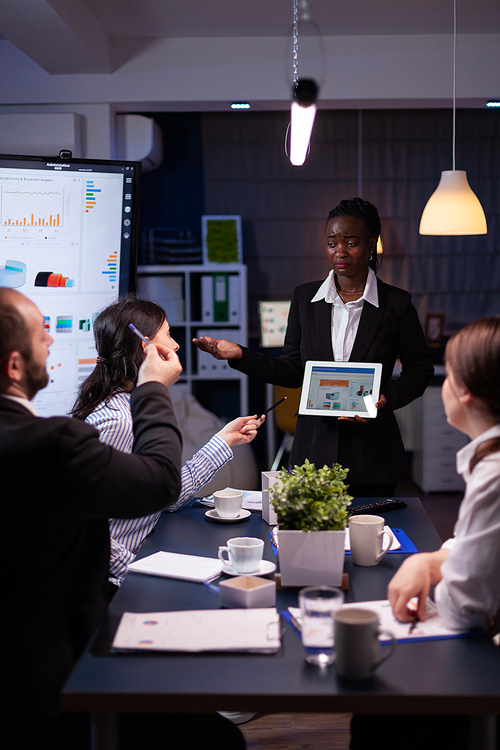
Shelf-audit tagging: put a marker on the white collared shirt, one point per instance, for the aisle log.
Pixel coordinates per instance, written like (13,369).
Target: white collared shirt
(469,591)
(346,316)
(24,402)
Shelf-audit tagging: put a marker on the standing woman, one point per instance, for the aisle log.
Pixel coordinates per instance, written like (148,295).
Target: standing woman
(350,316)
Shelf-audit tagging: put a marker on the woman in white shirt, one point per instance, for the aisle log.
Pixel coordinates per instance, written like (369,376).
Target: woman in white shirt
(465,569)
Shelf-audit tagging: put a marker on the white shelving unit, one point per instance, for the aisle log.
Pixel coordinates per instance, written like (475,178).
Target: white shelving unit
(436,444)
(202,300)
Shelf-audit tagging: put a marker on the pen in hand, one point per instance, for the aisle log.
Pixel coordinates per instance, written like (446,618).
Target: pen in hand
(143,338)
(274,405)
(139,334)
(414,624)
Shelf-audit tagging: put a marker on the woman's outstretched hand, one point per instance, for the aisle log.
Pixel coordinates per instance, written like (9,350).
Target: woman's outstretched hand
(219,348)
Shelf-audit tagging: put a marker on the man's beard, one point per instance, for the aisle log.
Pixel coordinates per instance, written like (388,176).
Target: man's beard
(35,377)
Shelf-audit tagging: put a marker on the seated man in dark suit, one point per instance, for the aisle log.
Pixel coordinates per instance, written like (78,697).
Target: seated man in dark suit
(59,487)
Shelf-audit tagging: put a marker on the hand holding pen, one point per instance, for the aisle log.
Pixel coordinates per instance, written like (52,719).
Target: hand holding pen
(162,365)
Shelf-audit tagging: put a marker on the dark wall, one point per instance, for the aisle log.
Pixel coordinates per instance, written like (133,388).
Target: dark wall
(173,194)
(234,163)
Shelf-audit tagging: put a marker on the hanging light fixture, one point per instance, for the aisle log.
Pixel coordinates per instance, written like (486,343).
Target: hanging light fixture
(304,93)
(453,208)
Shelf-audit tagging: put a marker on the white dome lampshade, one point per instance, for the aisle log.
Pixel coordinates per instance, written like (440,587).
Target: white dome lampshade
(453,209)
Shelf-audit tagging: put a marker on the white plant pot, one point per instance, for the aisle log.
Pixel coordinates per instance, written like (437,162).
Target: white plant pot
(310,558)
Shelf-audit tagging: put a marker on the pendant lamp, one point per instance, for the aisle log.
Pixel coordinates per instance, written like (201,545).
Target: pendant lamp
(453,208)
(304,91)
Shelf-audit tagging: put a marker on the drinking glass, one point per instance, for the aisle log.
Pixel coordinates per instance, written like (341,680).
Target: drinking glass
(318,605)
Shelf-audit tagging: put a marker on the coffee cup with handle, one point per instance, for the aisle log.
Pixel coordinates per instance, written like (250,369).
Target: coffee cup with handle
(228,503)
(366,535)
(244,554)
(357,647)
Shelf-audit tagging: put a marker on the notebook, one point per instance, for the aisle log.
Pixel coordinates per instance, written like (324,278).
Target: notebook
(174,565)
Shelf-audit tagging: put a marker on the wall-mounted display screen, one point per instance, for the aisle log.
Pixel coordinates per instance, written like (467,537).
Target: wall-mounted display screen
(68,241)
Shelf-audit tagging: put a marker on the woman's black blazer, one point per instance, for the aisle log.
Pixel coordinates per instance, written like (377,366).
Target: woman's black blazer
(374,452)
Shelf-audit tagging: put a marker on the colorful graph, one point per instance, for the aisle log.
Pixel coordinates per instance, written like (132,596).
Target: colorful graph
(64,324)
(112,262)
(32,208)
(90,195)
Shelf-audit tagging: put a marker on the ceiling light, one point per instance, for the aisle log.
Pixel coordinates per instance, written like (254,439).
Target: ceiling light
(304,91)
(453,208)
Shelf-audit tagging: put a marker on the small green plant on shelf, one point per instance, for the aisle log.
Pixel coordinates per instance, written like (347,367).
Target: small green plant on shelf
(311,499)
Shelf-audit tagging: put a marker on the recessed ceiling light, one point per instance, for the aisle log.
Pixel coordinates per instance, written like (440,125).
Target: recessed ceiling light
(493,104)
(240,105)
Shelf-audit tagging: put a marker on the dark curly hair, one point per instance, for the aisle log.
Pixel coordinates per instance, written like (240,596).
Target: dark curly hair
(360,209)
(120,351)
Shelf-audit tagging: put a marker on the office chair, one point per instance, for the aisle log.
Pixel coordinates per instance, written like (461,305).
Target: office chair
(285,419)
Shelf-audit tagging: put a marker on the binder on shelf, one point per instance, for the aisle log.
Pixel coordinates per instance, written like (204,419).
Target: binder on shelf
(221,298)
(234,300)
(207,299)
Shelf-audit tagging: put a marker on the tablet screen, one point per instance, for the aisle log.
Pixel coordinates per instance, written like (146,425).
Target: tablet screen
(341,389)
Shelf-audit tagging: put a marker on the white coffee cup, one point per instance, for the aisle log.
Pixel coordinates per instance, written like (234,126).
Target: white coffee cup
(244,554)
(228,503)
(357,648)
(366,534)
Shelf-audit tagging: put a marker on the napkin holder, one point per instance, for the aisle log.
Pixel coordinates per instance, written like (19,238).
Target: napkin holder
(268,513)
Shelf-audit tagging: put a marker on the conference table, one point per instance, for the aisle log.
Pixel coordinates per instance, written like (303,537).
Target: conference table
(451,676)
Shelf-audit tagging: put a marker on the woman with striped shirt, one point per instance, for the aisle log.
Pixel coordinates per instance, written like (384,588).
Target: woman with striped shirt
(104,402)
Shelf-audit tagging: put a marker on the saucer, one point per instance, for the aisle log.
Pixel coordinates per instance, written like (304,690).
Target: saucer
(212,514)
(265,568)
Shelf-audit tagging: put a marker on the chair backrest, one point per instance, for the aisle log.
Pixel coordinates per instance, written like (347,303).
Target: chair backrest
(285,414)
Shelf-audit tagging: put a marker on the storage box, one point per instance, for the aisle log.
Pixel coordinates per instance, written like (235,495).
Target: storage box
(268,513)
(249,592)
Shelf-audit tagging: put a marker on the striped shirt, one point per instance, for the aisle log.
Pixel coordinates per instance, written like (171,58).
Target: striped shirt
(113,420)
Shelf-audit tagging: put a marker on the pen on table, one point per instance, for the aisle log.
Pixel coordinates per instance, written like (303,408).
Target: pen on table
(212,587)
(274,405)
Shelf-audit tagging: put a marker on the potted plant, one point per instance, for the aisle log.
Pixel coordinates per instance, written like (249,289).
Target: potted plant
(311,506)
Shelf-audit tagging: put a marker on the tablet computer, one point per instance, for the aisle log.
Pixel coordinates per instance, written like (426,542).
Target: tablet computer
(340,389)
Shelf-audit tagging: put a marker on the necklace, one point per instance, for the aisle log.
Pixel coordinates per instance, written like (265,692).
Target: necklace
(341,294)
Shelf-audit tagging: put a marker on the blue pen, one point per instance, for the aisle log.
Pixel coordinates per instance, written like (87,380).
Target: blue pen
(139,334)
(212,587)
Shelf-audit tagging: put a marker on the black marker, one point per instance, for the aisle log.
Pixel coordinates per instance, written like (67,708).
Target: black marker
(274,405)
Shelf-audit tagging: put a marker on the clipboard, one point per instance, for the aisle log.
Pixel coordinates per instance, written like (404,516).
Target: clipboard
(194,631)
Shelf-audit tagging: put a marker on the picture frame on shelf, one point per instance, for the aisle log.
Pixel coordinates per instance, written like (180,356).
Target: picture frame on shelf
(434,326)
(221,240)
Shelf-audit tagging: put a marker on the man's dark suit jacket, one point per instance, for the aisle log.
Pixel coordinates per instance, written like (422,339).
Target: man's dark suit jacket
(374,452)
(59,487)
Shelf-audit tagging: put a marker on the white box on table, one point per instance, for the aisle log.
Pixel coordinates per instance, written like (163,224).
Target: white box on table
(250,592)
(268,513)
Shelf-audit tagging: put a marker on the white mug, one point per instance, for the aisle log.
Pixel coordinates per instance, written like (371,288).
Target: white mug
(244,554)
(228,503)
(366,534)
(357,648)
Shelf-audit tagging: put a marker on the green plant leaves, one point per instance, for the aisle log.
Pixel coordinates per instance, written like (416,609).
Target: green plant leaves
(310,499)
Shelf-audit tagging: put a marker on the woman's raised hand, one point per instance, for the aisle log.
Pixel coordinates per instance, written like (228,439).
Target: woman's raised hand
(219,348)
